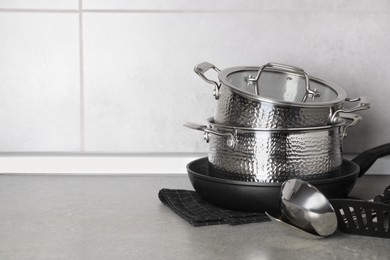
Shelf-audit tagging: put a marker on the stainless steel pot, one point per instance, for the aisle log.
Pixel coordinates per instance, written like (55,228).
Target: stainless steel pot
(276,96)
(276,155)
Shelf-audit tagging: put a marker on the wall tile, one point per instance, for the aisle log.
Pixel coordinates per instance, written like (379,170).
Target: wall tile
(39,82)
(39,4)
(140,87)
(247,6)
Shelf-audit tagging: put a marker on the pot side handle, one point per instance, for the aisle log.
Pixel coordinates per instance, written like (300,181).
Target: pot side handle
(364,104)
(367,158)
(354,118)
(230,142)
(201,69)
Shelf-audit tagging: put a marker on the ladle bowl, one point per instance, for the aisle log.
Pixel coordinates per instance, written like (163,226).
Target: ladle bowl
(305,207)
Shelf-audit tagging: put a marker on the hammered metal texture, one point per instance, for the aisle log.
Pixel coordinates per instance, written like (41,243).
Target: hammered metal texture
(236,110)
(270,156)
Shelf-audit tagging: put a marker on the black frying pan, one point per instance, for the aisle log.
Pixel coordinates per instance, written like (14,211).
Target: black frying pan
(259,197)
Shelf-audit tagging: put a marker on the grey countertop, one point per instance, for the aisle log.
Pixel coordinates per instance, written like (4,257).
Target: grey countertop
(121,217)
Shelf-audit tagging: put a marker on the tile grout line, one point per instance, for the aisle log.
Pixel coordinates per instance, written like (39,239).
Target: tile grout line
(81,53)
(168,11)
(10,10)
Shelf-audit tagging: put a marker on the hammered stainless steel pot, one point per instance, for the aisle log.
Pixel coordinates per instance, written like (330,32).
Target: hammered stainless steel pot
(276,96)
(276,155)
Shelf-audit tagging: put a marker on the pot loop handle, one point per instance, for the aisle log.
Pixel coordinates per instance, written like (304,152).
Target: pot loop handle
(364,104)
(231,138)
(201,69)
(354,118)
(314,92)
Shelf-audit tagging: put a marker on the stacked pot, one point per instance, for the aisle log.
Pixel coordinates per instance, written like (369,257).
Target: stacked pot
(274,122)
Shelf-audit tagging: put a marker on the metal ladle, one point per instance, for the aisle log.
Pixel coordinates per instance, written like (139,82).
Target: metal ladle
(305,210)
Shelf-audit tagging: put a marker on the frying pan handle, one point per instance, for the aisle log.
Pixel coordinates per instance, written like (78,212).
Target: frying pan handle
(201,69)
(366,159)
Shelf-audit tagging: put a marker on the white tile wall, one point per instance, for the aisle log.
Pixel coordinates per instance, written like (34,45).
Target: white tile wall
(139,78)
(136,86)
(39,82)
(40,4)
(243,5)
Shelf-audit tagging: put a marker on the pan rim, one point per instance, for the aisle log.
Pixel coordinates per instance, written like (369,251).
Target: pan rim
(346,163)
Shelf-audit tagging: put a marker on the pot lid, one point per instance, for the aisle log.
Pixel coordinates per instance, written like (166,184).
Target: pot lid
(281,84)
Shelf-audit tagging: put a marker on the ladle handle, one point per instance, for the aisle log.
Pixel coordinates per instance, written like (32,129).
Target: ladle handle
(366,159)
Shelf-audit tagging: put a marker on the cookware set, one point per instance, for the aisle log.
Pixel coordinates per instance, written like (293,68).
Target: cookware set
(276,146)
(275,124)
